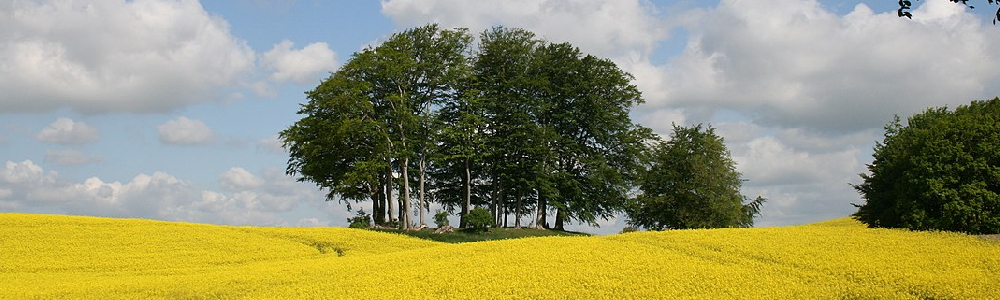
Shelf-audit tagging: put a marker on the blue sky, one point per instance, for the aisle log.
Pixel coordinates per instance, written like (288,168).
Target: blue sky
(169,109)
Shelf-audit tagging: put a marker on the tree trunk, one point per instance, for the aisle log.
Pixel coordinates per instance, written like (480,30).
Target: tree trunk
(467,203)
(388,193)
(423,203)
(517,210)
(495,205)
(506,214)
(540,213)
(560,218)
(378,206)
(404,215)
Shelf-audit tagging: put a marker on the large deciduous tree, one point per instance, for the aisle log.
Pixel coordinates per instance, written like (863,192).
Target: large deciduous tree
(375,114)
(593,145)
(941,171)
(692,182)
(513,142)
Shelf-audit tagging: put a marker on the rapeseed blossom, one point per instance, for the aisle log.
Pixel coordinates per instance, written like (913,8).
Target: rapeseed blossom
(44,256)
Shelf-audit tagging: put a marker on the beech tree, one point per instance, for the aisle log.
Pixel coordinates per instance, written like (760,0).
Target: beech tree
(376,108)
(593,145)
(940,171)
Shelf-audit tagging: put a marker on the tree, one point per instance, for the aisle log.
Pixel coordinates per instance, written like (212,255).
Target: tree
(369,120)
(906,5)
(338,144)
(939,172)
(593,145)
(512,143)
(692,182)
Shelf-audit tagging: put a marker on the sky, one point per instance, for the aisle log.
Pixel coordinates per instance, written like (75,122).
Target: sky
(170,109)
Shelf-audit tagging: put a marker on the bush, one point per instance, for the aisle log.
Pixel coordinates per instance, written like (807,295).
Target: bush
(441,219)
(361,220)
(479,219)
(628,229)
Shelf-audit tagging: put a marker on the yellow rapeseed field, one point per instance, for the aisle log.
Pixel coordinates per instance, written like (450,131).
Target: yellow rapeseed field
(53,257)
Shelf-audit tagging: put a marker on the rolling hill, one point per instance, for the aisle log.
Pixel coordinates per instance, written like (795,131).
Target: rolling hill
(50,256)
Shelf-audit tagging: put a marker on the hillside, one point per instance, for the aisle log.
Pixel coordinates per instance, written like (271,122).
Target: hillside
(99,258)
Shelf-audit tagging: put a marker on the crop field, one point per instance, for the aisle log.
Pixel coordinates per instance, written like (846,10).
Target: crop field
(47,257)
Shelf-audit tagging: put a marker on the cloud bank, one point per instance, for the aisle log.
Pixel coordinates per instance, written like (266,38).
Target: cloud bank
(265,199)
(115,56)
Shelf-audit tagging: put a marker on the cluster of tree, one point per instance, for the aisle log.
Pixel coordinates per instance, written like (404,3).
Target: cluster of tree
(508,122)
(941,171)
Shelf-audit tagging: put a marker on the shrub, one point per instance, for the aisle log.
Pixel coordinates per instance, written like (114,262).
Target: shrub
(361,220)
(441,219)
(479,219)
(628,229)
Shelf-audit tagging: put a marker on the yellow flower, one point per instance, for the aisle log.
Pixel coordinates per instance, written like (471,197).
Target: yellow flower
(46,256)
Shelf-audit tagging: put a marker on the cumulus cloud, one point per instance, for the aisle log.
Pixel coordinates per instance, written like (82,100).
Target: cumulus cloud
(238,179)
(265,199)
(306,65)
(115,56)
(66,131)
(184,131)
(609,28)
(792,63)
(70,157)
(271,144)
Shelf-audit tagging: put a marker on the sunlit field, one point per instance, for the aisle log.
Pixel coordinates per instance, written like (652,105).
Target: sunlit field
(45,256)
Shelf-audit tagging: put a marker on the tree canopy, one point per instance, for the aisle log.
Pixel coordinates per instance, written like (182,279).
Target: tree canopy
(692,182)
(940,171)
(518,125)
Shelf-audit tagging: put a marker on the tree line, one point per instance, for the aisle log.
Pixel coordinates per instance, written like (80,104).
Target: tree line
(508,122)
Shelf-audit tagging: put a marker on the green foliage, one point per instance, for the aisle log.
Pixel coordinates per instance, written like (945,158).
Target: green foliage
(360,220)
(441,219)
(628,229)
(939,172)
(692,182)
(479,219)
(519,124)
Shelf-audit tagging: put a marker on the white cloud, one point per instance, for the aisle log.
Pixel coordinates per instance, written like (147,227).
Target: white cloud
(265,199)
(271,144)
(311,222)
(792,63)
(610,28)
(768,161)
(66,131)
(25,173)
(184,131)
(306,65)
(115,56)
(70,157)
(237,179)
